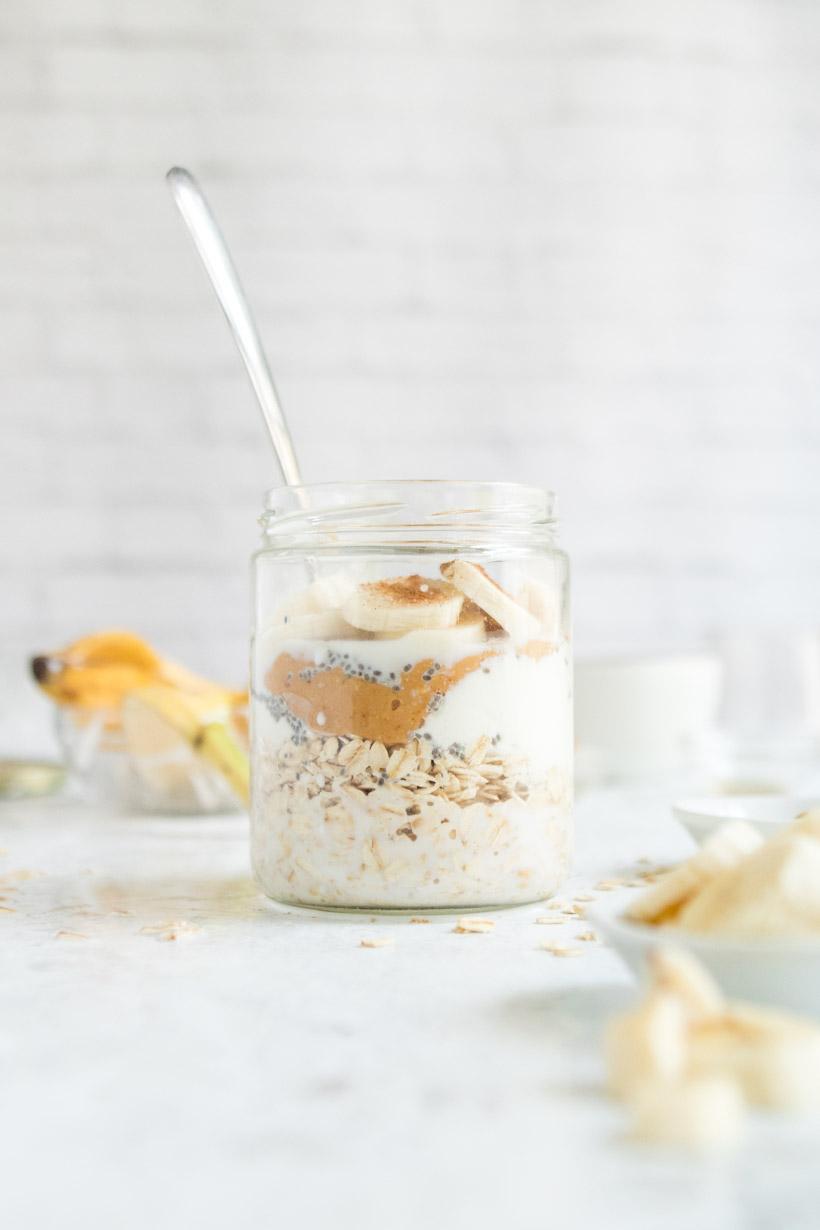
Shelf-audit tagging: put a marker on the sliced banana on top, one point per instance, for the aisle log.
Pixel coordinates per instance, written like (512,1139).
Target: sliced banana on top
(726,848)
(325,626)
(541,602)
(468,632)
(474,581)
(322,595)
(403,604)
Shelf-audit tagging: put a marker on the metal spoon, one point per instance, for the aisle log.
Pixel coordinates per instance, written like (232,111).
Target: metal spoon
(214,254)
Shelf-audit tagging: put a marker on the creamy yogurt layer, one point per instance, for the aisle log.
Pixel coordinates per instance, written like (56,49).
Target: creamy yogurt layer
(531,693)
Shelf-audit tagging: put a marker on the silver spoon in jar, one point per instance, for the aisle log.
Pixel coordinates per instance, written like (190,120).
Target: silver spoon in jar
(214,254)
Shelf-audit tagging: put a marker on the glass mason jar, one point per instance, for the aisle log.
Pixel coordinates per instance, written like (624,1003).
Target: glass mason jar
(411,712)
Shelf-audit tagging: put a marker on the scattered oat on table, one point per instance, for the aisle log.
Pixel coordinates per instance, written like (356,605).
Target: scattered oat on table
(652,874)
(474,926)
(549,920)
(588,937)
(419,921)
(584,897)
(7,909)
(70,935)
(171,929)
(376,941)
(561,950)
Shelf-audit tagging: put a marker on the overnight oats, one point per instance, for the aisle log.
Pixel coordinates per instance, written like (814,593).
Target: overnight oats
(411,725)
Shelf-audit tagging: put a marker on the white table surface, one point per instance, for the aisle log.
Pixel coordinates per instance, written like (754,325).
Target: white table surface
(269,1070)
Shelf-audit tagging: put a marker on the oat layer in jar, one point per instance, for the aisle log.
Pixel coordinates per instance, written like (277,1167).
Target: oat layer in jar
(411,697)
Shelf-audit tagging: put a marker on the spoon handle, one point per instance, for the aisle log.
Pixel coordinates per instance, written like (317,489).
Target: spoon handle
(214,254)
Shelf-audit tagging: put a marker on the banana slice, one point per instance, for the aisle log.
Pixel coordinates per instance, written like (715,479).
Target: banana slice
(807,823)
(725,849)
(473,616)
(541,602)
(646,1045)
(438,640)
(332,591)
(403,604)
(774,891)
(325,626)
(704,1114)
(686,1062)
(479,586)
(473,625)
(677,973)
(775,1058)
(322,595)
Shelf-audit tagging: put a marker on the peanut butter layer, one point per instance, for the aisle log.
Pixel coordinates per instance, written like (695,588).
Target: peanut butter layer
(332,702)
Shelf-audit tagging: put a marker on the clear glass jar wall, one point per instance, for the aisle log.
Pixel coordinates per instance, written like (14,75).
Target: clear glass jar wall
(411,716)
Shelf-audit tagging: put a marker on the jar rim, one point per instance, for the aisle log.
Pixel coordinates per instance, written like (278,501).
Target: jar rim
(298,498)
(408,510)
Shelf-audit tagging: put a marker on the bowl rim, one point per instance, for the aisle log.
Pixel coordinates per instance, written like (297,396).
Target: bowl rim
(711,807)
(611,921)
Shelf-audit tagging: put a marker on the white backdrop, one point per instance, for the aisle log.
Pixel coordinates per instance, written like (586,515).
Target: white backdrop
(566,241)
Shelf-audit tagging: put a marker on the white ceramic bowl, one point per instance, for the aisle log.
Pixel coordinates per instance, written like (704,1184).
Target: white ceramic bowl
(768,813)
(783,973)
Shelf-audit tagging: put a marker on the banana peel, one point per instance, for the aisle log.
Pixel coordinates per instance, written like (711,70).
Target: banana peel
(96,672)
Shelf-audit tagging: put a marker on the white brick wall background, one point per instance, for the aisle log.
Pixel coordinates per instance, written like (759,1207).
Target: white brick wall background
(574,242)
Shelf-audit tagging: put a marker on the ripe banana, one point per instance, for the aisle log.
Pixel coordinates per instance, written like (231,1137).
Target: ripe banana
(726,848)
(110,649)
(403,604)
(96,672)
(192,719)
(477,584)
